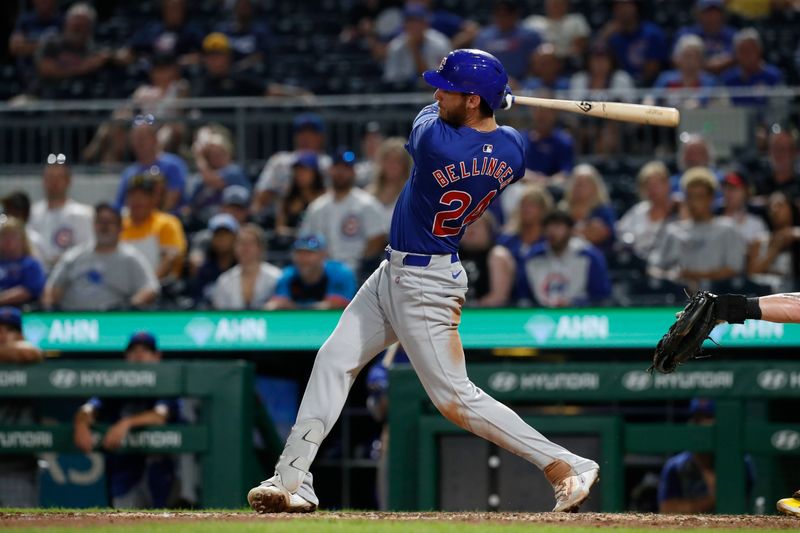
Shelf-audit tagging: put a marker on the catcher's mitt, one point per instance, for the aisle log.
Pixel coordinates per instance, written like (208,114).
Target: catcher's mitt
(685,337)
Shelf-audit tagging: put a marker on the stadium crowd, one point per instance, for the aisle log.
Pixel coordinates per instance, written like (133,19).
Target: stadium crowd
(189,227)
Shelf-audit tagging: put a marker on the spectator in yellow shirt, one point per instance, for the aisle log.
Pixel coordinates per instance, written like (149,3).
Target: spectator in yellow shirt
(157,235)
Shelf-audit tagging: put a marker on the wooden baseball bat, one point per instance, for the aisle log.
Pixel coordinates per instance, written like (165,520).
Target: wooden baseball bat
(640,114)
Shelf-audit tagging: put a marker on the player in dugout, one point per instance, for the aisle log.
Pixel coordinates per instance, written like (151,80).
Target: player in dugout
(462,161)
(135,481)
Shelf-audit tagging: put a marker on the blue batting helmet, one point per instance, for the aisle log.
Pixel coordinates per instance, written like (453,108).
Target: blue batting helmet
(473,72)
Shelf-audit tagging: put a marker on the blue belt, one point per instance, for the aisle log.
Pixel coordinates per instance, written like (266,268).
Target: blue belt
(416,260)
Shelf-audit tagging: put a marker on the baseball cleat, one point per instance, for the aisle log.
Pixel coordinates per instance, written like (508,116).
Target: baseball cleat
(572,491)
(270,498)
(790,506)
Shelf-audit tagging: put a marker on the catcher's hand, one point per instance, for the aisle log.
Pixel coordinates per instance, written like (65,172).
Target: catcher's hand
(685,337)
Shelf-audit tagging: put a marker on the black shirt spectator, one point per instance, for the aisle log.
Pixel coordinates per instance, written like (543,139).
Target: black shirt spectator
(218,78)
(69,56)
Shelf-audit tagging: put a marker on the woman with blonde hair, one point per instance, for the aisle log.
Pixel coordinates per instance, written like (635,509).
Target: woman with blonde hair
(644,223)
(392,171)
(252,281)
(524,227)
(22,276)
(586,200)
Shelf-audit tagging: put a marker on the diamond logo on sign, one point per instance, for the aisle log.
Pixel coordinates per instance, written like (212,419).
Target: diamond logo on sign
(34,331)
(773,379)
(786,440)
(63,378)
(540,327)
(718,332)
(637,380)
(200,330)
(503,381)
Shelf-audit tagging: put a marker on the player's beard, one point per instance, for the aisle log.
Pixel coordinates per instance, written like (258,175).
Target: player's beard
(455,117)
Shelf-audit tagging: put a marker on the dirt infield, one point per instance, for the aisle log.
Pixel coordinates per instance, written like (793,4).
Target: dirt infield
(621,520)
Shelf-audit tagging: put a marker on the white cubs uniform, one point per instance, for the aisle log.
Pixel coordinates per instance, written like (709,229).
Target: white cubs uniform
(347,224)
(61,229)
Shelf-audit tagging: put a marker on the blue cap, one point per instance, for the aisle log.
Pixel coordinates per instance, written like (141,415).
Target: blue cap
(306,159)
(143,338)
(236,195)
(308,121)
(11,316)
(344,155)
(701,406)
(416,11)
(702,5)
(310,241)
(223,221)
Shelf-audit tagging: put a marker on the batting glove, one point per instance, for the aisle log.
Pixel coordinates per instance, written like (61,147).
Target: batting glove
(508,98)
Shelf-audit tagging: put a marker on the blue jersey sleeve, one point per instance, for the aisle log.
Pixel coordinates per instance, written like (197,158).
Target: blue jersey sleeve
(33,276)
(119,200)
(341,281)
(567,159)
(599,286)
(656,43)
(176,172)
(282,288)
(669,486)
(424,120)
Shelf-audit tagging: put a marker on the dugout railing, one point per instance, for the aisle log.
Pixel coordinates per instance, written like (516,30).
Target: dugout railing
(740,390)
(222,438)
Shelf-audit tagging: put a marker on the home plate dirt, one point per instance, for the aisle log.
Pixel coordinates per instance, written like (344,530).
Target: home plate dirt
(612,520)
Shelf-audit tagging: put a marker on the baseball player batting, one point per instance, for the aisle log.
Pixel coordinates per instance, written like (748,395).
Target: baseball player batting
(705,310)
(462,162)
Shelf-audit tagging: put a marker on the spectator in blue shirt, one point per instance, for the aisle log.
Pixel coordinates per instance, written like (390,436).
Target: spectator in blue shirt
(563,270)
(312,281)
(508,40)
(135,481)
(688,481)
(144,142)
(550,150)
(640,47)
(750,70)
(249,36)
(688,74)
(586,200)
(22,276)
(546,69)
(717,37)
(31,26)
(213,154)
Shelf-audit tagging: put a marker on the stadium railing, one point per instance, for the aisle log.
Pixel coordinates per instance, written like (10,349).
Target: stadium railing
(262,126)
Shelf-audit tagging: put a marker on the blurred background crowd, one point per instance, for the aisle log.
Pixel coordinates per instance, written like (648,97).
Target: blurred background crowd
(204,215)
